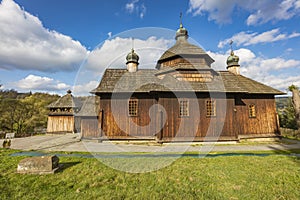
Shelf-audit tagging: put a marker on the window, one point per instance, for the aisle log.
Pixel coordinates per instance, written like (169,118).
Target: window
(252,111)
(210,108)
(133,107)
(183,108)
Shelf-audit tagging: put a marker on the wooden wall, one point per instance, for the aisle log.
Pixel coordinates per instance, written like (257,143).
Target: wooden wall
(231,121)
(197,124)
(118,124)
(89,127)
(60,124)
(265,121)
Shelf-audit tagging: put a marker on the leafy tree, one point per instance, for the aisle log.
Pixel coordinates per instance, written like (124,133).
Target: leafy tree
(287,116)
(23,112)
(39,103)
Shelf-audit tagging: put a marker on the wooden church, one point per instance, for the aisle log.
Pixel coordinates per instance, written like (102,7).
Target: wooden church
(183,99)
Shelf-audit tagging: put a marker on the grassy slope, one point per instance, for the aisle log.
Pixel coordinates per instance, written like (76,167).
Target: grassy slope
(239,177)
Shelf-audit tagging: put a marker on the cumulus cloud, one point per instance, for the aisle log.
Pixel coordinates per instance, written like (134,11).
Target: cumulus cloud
(270,71)
(274,10)
(113,53)
(248,38)
(27,45)
(84,89)
(39,83)
(259,11)
(219,11)
(134,6)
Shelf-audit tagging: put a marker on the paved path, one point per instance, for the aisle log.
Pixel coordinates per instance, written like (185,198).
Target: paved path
(71,142)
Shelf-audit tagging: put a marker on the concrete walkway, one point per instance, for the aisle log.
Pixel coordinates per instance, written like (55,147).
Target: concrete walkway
(71,142)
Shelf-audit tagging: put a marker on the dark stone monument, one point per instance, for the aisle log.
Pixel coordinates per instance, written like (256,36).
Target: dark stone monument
(38,165)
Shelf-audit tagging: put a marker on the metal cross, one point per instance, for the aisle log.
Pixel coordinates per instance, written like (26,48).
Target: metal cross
(231,42)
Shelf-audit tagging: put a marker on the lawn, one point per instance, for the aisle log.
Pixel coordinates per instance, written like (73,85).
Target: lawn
(224,177)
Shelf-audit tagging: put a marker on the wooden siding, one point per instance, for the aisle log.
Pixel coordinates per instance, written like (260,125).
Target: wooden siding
(198,125)
(265,121)
(231,121)
(60,124)
(118,124)
(176,61)
(89,127)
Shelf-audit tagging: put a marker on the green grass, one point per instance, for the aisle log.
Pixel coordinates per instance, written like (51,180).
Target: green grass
(290,133)
(236,177)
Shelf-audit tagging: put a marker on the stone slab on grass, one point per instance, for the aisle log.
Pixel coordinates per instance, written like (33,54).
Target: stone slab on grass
(38,165)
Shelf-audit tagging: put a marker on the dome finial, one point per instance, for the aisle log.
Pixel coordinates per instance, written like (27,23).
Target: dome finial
(181,33)
(230,43)
(180,26)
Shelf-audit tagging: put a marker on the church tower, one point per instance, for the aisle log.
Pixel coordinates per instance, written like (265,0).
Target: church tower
(132,61)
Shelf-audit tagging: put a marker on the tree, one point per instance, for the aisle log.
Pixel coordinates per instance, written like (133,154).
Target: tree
(287,116)
(296,103)
(21,113)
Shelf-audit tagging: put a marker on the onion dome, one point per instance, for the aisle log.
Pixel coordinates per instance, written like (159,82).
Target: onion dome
(132,57)
(181,32)
(232,60)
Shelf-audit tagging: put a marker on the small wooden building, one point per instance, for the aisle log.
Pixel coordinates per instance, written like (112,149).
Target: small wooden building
(183,99)
(61,117)
(88,116)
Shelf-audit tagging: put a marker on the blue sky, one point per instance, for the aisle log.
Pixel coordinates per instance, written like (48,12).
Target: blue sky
(56,45)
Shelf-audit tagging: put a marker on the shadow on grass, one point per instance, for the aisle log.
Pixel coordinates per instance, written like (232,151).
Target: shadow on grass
(294,154)
(65,165)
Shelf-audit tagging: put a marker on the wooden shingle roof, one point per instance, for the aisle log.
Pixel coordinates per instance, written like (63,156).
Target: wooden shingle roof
(66,101)
(90,107)
(145,80)
(182,48)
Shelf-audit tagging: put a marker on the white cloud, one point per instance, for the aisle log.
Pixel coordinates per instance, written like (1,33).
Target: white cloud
(142,11)
(134,6)
(39,83)
(46,84)
(84,89)
(130,7)
(259,11)
(270,71)
(246,39)
(274,10)
(297,4)
(113,53)
(25,44)
(219,11)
